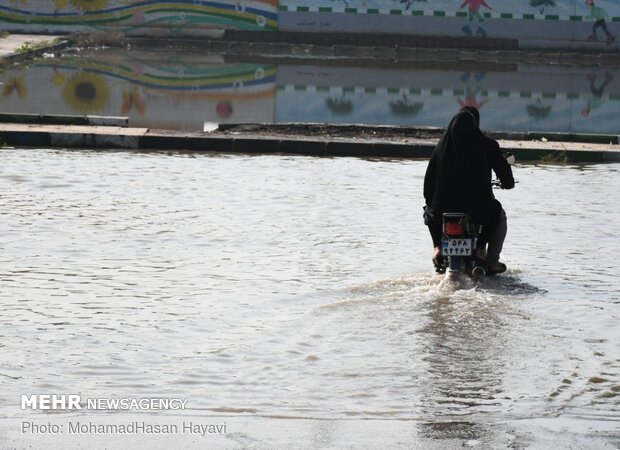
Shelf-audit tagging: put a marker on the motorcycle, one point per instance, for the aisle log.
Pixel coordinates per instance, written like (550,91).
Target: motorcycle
(458,246)
(459,239)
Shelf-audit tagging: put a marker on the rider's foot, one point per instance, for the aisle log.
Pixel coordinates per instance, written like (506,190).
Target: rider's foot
(438,260)
(496,268)
(436,252)
(480,261)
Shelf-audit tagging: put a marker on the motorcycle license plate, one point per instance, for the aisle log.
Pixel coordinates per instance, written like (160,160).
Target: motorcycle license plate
(457,247)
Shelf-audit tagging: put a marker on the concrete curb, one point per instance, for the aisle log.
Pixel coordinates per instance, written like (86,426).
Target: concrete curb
(74,136)
(47,119)
(97,137)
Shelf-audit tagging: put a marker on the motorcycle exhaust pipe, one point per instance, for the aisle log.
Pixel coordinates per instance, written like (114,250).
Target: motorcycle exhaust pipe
(478,272)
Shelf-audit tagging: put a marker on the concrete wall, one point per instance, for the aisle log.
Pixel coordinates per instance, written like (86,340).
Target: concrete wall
(534,23)
(184,17)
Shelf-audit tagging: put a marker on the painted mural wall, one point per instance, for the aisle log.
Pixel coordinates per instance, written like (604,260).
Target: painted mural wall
(524,99)
(473,11)
(186,90)
(170,91)
(137,16)
(589,24)
(535,23)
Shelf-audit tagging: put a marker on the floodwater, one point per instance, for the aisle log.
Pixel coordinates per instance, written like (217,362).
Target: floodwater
(281,287)
(190,90)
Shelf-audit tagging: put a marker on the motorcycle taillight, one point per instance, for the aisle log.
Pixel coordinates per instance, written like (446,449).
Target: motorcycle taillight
(454,229)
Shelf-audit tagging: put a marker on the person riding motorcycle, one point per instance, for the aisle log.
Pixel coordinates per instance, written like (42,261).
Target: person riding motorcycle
(458,179)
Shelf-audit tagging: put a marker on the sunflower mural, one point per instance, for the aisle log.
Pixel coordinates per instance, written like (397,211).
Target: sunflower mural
(86,93)
(58,79)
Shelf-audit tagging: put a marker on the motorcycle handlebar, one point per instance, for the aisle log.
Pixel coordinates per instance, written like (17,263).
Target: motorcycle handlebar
(510,159)
(497,184)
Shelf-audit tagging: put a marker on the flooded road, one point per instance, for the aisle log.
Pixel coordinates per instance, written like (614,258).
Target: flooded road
(276,288)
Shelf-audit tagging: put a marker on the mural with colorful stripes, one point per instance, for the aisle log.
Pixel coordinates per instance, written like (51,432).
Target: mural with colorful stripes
(134,15)
(153,90)
(185,90)
(588,24)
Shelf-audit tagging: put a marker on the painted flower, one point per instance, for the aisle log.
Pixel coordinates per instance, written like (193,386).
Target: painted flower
(132,100)
(86,92)
(89,5)
(15,84)
(58,79)
(224,109)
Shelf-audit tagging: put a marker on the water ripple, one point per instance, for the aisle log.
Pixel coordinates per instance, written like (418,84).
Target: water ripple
(301,287)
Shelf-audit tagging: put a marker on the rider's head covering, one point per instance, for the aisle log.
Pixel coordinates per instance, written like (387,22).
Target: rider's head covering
(473,110)
(461,145)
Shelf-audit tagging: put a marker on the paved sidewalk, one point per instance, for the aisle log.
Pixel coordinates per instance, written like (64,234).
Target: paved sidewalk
(106,137)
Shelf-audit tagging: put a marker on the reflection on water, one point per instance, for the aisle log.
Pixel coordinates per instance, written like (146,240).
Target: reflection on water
(299,287)
(154,89)
(182,90)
